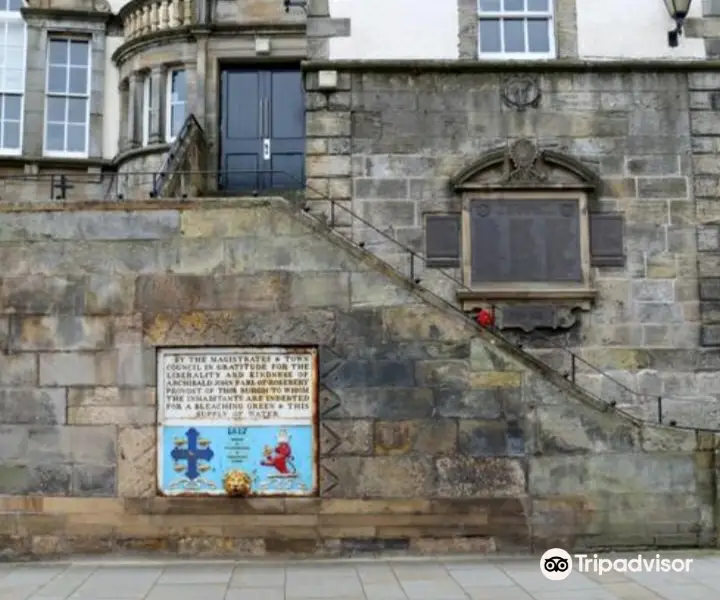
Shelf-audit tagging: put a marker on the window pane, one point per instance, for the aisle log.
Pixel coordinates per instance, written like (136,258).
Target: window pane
(538,35)
(58,52)
(77,110)
(55,137)
(76,138)
(514,30)
(56,110)
(78,80)
(514,4)
(178,86)
(490,35)
(15,35)
(13,81)
(14,4)
(490,5)
(14,57)
(11,135)
(57,80)
(148,93)
(11,108)
(79,53)
(178,118)
(538,5)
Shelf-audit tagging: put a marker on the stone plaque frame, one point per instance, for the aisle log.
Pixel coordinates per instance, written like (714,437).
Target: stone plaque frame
(521,171)
(231,444)
(529,290)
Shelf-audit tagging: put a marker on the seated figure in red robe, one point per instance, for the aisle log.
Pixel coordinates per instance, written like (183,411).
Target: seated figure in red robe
(281,457)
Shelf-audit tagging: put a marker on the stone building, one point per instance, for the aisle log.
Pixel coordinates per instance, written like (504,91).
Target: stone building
(186,174)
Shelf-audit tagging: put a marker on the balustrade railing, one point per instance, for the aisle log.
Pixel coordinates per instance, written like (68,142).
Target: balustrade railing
(142,17)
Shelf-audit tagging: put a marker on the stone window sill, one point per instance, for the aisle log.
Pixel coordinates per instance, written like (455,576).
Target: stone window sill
(480,297)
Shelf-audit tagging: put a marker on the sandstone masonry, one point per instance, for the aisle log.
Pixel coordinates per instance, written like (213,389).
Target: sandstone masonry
(435,436)
(647,132)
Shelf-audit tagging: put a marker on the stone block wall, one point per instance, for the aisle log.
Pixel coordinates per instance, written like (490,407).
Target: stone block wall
(648,138)
(704,104)
(434,436)
(34,183)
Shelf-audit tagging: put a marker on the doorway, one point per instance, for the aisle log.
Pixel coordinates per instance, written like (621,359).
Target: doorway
(262,130)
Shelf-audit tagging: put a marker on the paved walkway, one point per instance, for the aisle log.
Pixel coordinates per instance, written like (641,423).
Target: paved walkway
(397,579)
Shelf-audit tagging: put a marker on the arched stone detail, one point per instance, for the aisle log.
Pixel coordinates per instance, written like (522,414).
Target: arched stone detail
(521,187)
(522,165)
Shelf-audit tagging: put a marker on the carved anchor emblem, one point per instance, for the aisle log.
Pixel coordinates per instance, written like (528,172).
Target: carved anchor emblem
(521,93)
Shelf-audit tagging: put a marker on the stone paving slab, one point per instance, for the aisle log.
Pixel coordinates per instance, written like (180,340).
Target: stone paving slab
(478,578)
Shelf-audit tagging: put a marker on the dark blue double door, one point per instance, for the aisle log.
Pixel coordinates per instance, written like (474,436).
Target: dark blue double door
(262,130)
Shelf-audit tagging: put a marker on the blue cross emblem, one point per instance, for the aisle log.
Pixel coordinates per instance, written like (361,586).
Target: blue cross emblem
(193,454)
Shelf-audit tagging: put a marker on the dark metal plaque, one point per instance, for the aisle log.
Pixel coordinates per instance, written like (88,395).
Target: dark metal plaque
(525,241)
(442,240)
(607,240)
(529,317)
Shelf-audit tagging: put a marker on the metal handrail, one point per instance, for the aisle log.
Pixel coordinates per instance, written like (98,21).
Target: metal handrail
(413,256)
(172,157)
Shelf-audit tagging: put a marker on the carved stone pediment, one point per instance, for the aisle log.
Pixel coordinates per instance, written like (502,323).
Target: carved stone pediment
(526,236)
(522,165)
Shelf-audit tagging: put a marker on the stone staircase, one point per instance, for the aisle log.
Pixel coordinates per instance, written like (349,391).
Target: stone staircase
(182,172)
(437,287)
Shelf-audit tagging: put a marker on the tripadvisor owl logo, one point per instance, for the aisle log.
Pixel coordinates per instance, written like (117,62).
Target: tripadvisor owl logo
(556,564)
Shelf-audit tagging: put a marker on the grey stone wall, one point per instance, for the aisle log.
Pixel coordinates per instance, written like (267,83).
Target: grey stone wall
(706,27)
(434,436)
(136,172)
(410,132)
(704,104)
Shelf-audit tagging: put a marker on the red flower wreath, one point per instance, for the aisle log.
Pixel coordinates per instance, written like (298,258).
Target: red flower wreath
(485,318)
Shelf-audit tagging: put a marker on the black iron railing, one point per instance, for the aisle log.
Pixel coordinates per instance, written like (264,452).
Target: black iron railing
(190,133)
(576,365)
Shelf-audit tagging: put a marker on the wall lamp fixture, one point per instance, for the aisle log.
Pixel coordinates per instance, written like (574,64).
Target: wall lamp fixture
(678,10)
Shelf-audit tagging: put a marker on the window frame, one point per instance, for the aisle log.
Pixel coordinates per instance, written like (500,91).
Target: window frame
(87,96)
(169,136)
(524,15)
(520,289)
(146,109)
(14,16)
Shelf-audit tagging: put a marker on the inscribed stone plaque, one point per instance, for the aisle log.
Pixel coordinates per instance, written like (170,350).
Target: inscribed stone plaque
(525,241)
(607,245)
(442,240)
(529,317)
(229,414)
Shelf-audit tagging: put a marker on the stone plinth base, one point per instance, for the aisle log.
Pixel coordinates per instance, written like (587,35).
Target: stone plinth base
(51,527)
